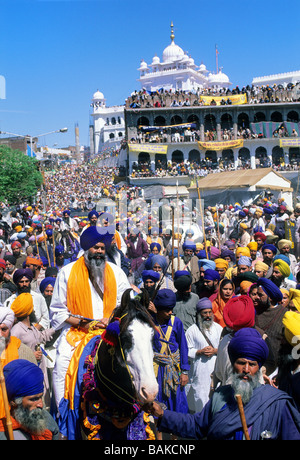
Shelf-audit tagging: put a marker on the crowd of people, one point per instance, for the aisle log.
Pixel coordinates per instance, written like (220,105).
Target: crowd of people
(225,302)
(255,95)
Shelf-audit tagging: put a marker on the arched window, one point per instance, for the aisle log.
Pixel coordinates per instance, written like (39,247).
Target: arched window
(210,123)
(277,155)
(276,117)
(227,156)
(111,136)
(177,156)
(244,155)
(293,116)
(194,156)
(226,121)
(176,120)
(159,121)
(144,158)
(294,155)
(113,121)
(142,121)
(194,119)
(259,116)
(243,120)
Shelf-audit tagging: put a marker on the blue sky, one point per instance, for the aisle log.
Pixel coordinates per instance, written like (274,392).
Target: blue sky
(54,54)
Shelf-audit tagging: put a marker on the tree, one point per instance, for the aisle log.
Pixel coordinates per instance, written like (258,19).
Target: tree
(20,177)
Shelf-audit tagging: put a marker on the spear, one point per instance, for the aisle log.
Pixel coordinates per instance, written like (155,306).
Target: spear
(53,243)
(46,246)
(202,218)
(4,396)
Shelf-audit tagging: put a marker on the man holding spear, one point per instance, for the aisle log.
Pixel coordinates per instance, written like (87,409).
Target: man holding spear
(264,408)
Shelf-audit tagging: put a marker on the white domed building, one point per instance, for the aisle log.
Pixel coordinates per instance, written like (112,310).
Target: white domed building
(178,71)
(107,126)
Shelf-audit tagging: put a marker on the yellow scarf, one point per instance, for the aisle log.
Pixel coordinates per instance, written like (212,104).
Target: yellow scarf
(10,353)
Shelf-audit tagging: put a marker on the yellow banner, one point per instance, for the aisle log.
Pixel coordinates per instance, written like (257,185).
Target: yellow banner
(238,143)
(150,148)
(236,99)
(289,142)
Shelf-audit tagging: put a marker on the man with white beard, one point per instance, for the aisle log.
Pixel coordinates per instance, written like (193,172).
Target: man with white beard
(25,389)
(203,340)
(86,292)
(266,408)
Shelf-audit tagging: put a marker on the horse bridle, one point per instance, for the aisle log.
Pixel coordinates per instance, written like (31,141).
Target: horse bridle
(113,387)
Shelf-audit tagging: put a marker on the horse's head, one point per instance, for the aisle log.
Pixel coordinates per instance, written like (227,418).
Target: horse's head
(124,363)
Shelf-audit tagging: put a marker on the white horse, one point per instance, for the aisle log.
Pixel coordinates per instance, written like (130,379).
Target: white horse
(118,377)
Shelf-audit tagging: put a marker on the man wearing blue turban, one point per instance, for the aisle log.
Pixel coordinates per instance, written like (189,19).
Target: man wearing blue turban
(159,264)
(269,313)
(269,251)
(170,359)
(188,260)
(90,287)
(24,386)
(266,408)
(93,217)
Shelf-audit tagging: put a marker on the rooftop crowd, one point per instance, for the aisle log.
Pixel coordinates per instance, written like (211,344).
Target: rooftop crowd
(223,290)
(264,94)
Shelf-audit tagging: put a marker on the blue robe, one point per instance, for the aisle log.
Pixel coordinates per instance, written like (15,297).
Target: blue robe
(269,409)
(177,401)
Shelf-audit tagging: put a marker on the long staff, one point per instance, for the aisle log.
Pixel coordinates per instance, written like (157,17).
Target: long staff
(36,243)
(46,246)
(172,208)
(202,219)
(242,416)
(178,255)
(218,229)
(5,400)
(53,243)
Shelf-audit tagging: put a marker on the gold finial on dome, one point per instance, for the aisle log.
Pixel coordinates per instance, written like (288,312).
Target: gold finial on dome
(172,32)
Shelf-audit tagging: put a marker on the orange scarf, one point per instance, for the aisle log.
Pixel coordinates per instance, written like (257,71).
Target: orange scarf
(10,353)
(218,306)
(118,240)
(45,436)
(79,297)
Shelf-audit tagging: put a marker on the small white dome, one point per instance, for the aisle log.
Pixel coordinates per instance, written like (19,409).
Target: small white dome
(191,62)
(185,58)
(143,65)
(202,68)
(98,95)
(155,60)
(218,78)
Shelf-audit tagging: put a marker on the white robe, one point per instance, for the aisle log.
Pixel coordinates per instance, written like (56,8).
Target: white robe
(59,313)
(198,388)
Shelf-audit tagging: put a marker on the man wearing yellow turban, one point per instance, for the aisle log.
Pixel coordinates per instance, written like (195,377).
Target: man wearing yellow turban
(221,267)
(244,236)
(294,297)
(261,269)
(22,306)
(253,247)
(285,247)
(280,274)
(288,377)
(26,331)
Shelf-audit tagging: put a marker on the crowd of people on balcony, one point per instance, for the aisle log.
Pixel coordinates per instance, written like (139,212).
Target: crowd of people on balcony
(209,165)
(168,98)
(177,135)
